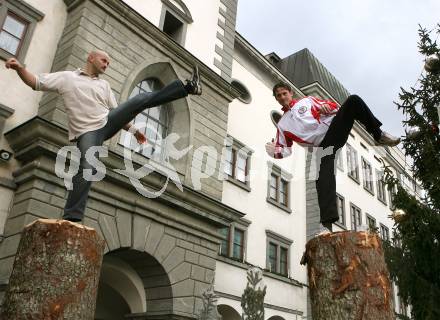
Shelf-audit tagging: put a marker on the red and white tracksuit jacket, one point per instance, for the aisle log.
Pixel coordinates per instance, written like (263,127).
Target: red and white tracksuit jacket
(302,123)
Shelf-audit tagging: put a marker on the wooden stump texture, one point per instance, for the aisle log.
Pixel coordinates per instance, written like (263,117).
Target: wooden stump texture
(348,277)
(56,272)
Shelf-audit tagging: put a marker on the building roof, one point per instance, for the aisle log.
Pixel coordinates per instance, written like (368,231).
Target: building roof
(303,68)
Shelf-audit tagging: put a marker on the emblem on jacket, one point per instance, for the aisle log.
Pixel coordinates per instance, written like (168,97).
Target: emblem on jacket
(302,109)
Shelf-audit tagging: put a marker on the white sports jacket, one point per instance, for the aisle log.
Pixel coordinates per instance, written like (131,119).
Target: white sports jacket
(302,123)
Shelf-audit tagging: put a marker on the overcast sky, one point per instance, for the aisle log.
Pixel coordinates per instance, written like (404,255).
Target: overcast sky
(370,46)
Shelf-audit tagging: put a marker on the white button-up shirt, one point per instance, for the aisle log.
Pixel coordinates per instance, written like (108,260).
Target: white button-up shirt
(87,100)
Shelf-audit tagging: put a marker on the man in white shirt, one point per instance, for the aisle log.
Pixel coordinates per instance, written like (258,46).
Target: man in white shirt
(322,123)
(93,113)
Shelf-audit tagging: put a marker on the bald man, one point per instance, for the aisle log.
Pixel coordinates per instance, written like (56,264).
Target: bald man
(93,113)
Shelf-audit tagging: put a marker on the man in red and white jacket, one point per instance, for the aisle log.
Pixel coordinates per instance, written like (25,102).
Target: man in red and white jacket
(322,123)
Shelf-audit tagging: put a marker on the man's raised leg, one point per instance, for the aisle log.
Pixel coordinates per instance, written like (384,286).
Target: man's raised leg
(127,111)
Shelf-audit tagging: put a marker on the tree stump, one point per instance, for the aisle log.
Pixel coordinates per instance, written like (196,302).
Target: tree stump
(348,277)
(56,272)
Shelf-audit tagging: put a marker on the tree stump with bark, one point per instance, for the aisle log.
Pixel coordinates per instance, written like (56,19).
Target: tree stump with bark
(348,277)
(56,272)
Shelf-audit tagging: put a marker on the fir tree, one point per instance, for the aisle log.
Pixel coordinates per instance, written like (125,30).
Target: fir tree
(252,299)
(414,259)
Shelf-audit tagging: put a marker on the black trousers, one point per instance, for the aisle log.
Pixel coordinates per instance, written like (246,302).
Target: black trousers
(117,119)
(354,108)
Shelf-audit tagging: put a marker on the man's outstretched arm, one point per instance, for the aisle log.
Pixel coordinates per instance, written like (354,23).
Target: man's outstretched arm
(27,77)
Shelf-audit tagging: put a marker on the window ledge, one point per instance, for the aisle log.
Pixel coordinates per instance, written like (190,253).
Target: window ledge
(234,262)
(369,191)
(5,112)
(340,225)
(246,265)
(238,183)
(279,205)
(279,277)
(353,178)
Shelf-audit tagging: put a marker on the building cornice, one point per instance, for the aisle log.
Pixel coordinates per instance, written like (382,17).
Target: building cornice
(268,67)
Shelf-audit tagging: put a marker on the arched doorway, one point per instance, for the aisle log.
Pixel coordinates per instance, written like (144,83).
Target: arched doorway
(132,282)
(228,312)
(110,304)
(276,318)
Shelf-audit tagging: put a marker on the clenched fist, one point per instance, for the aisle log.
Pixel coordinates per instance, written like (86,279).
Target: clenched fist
(270,148)
(140,137)
(13,63)
(325,109)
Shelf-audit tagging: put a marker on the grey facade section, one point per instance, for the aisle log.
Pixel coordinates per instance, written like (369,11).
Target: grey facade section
(312,208)
(226,53)
(5,113)
(303,68)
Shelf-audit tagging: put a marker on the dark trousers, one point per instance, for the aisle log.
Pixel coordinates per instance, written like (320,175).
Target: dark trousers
(117,119)
(354,108)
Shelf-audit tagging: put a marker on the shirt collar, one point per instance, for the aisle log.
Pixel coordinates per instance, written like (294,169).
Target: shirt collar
(82,72)
(285,109)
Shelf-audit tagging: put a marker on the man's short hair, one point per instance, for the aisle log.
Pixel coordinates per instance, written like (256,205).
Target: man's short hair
(283,85)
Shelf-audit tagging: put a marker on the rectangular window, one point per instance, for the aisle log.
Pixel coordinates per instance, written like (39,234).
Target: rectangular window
(352,163)
(173,26)
(356,217)
(381,187)
(284,261)
(233,240)
(18,20)
(397,241)
(340,203)
(339,160)
(229,161)
(278,192)
(238,246)
(371,223)
(277,253)
(273,186)
(236,163)
(284,192)
(12,33)
(272,257)
(224,245)
(367,175)
(384,233)
(241,168)
(391,193)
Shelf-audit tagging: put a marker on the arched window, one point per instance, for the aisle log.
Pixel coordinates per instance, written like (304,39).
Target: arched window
(153,122)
